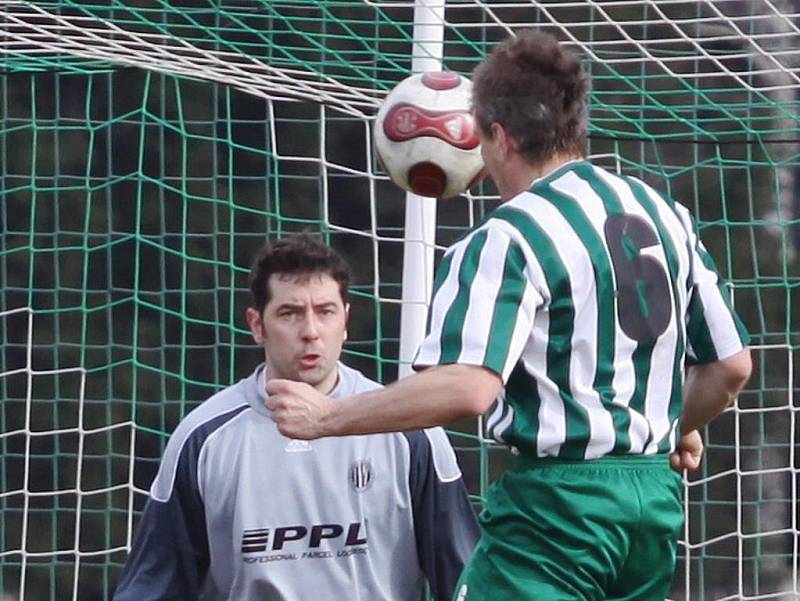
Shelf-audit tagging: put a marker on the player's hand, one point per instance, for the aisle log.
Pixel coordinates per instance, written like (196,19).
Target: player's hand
(688,452)
(297,408)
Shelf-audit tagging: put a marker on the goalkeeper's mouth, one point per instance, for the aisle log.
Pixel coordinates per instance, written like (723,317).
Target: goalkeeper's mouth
(310,360)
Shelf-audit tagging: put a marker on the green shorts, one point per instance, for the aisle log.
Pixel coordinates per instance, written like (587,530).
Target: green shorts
(578,530)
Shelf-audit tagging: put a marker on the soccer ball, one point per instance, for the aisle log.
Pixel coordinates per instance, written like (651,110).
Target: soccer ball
(426,137)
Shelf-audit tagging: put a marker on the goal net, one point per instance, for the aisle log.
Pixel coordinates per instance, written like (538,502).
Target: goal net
(148,148)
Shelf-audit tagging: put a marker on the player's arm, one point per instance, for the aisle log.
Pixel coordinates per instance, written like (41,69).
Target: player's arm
(708,390)
(711,387)
(437,396)
(169,558)
(444,523)
(718,360)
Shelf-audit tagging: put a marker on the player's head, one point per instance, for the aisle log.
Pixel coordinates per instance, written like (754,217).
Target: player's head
(536,91)
(299,309)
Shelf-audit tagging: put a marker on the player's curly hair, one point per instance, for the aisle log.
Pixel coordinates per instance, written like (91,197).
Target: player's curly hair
(537,90)
(301,255)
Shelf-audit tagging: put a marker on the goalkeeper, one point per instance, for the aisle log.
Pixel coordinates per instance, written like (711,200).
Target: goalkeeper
(239,512)
(567,318)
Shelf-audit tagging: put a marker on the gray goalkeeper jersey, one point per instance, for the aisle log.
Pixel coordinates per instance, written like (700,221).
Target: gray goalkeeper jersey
(239,512)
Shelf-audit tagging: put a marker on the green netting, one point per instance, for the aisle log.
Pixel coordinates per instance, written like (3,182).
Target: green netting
(147,148)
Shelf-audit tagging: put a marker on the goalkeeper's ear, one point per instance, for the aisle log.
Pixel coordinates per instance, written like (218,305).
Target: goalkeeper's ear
(256,325)
(346,319)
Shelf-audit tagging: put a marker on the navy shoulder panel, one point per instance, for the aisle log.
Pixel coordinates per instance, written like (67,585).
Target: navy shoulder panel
(444,522)
(187,441)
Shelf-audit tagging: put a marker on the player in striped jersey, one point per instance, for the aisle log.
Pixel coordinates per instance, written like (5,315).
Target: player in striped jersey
(567,317)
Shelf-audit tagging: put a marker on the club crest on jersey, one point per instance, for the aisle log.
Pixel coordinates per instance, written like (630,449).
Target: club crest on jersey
(361,475)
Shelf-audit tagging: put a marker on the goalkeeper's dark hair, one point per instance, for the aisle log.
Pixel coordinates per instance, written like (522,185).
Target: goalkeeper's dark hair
(537,90)
(299,255)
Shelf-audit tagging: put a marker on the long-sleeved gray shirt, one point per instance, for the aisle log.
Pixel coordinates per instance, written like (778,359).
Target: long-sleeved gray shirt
(239,512)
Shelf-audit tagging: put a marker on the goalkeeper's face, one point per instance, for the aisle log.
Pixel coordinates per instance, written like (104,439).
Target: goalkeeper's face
(302,328)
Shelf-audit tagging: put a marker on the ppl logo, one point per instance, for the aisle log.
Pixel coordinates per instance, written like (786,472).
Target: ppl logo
(260,540)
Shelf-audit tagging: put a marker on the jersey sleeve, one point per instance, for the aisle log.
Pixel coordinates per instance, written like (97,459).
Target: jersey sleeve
(169,558)
(483,305)
(713,329)
(445,527)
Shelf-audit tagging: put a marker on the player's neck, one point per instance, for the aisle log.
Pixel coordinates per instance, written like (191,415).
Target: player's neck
(518,174)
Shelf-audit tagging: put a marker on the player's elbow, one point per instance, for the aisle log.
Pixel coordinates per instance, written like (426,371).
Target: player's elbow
(472,407)
(478,389)
(738,369)
(728,376)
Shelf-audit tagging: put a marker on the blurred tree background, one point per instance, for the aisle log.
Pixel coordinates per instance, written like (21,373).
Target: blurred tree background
(132,199)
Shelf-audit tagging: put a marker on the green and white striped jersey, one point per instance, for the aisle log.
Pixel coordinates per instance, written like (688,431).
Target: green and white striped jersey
(585,294)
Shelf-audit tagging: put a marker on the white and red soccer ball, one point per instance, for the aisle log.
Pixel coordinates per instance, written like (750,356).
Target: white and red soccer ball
(426,138)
